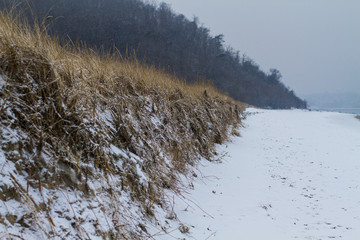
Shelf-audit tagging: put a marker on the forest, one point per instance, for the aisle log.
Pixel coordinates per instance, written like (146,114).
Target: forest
(162,38)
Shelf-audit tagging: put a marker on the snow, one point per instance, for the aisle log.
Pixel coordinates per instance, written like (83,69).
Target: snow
(67,207)
(291,175)
(2,82)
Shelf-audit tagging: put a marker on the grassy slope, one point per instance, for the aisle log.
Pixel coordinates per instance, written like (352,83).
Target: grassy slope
(86,138)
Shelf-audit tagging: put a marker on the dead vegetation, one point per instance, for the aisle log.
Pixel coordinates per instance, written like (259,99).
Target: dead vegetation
(101,126)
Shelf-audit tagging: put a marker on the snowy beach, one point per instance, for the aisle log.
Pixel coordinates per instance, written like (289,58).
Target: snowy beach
(291,175)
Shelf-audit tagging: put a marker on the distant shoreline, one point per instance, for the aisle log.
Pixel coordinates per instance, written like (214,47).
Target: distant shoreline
(340,110)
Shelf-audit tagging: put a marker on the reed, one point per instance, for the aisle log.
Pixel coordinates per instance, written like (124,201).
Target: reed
(71,107)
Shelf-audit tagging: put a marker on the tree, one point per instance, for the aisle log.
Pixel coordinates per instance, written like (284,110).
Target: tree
(166,40)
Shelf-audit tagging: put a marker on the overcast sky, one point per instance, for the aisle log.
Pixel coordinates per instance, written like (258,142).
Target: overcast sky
(314,43)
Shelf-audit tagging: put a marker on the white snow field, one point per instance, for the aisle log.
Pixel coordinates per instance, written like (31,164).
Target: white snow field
(291,175)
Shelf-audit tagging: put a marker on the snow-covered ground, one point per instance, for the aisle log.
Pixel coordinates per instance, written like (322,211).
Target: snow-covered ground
(292,175)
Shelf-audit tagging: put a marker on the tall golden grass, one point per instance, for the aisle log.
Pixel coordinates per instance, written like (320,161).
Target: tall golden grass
(74,104)
(86,64)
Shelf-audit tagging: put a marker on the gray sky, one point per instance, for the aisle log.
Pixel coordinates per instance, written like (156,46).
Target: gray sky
(314,43)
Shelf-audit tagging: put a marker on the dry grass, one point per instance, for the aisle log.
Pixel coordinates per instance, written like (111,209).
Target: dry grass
(74,105)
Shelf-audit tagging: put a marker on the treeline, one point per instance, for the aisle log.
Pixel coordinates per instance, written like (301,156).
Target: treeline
(164,39)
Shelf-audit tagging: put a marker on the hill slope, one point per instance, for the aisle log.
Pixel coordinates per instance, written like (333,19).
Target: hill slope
(89,145)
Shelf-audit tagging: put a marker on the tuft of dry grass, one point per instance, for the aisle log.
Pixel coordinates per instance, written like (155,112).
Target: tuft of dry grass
(75,106)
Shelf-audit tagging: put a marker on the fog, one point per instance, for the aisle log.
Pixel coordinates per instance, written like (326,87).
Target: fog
(314,43)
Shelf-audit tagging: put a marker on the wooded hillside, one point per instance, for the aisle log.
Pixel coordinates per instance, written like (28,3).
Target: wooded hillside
(164,39)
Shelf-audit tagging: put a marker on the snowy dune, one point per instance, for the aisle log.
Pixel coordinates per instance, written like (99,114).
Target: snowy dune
(292,175)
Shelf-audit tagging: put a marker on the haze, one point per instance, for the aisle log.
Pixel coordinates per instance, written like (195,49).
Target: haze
(314,43)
